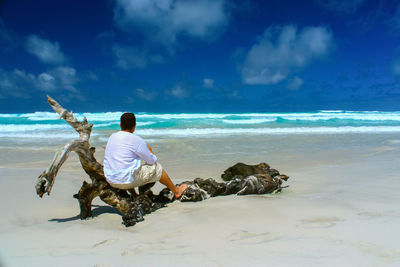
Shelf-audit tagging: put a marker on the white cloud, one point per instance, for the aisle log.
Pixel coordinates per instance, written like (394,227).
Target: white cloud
(128,57)
(282,50)
(45,50)
(163,21)
(21,84)
(65,78)
(145,94)
(341,6)
(16,83)
(45,82)
(208,83)
(295,83)
(179,91)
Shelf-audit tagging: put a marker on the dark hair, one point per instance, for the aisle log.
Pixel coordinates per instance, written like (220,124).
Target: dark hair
(128,120)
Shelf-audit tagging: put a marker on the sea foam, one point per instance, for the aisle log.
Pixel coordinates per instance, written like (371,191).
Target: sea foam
(4,128)
(311,116)
(48,125)
(188,132)
(248,121)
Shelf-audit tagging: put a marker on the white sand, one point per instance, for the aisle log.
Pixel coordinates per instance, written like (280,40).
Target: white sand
(342,209)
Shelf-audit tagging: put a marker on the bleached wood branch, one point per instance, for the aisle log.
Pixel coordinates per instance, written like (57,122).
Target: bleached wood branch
(46,179)
(82,127)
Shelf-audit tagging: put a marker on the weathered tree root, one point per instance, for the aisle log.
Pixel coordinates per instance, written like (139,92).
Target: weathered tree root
(240,179)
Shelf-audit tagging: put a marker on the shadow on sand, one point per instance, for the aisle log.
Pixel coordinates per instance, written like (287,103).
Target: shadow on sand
(95,212)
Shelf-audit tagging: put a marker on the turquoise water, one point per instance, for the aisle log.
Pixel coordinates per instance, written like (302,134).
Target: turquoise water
(46,125)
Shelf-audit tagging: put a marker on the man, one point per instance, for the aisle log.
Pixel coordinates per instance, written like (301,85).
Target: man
(129,162)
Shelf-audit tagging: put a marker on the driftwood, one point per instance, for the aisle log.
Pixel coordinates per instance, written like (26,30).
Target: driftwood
(239,179)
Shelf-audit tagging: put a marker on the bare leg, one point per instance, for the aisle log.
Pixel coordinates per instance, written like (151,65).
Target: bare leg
(165,180)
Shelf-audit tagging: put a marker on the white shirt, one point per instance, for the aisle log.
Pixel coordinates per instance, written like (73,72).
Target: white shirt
(123,155)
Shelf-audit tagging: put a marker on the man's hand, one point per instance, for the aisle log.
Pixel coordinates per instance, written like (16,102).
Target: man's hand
(150,149)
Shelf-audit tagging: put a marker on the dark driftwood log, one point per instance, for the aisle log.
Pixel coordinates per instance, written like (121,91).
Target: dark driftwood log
(240,179)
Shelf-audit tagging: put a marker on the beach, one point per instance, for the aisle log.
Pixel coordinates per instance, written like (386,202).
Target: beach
(295,104)
(341,208)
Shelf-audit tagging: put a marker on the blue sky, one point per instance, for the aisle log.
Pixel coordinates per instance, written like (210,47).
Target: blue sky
(200,55)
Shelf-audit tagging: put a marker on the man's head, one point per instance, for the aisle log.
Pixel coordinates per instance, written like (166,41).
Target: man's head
(128,122)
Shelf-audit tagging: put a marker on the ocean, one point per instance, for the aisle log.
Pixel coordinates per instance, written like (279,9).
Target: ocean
(45,126)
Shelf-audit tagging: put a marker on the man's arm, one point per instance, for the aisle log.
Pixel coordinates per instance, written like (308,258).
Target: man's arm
(145,153)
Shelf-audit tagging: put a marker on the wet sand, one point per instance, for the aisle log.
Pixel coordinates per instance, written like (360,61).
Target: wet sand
(341,208)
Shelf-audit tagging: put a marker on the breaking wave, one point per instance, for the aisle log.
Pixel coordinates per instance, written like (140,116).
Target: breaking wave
(47,124)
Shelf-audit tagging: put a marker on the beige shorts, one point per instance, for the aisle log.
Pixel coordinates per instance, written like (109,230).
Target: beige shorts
(144,175)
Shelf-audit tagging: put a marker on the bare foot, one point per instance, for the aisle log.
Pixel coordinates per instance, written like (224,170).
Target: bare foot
(180,190)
